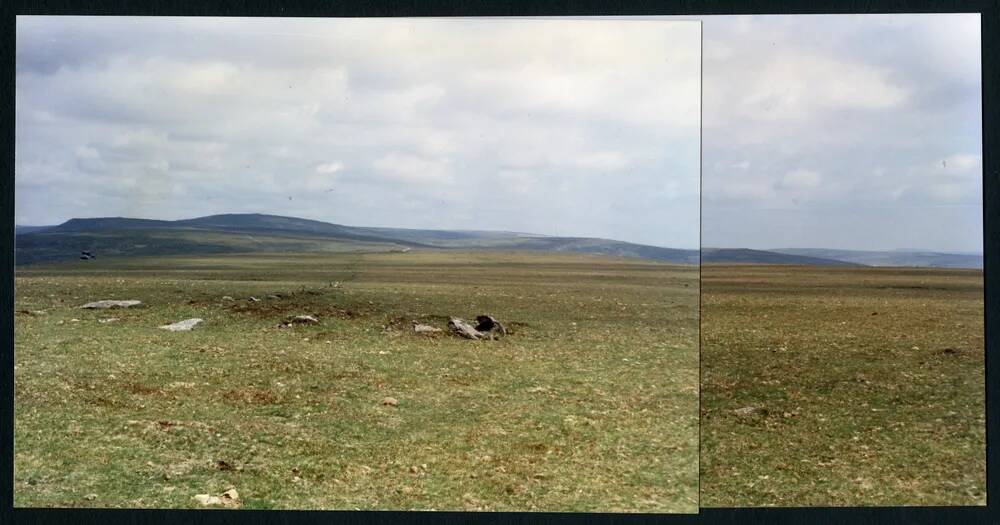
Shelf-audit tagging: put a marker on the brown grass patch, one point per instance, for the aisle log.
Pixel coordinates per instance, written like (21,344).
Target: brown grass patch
(251,396)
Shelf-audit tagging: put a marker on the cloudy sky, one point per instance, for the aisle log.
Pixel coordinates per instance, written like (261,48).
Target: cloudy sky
(843,131)
(556,127)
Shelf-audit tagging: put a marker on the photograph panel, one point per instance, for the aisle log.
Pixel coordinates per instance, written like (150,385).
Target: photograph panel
(410,264)
(842,261)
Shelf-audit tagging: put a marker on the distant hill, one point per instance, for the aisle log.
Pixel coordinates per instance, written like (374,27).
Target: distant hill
(747,256)
(830,257)
(242,233)
(893,257)
(21,228)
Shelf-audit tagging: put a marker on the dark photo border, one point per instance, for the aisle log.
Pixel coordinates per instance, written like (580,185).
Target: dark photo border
(990,20)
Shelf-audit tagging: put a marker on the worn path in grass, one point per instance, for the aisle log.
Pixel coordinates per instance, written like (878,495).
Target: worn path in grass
(860,386)
(589,405)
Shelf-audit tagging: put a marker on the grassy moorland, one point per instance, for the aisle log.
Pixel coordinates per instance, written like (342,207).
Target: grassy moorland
(590,403)
(842,386)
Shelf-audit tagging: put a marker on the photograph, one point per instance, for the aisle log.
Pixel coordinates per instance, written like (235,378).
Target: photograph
(842,300)
(452,264)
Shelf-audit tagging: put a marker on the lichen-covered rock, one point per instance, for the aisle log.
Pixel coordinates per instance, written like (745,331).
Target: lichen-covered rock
(108,303)
(182,326)
(458,326)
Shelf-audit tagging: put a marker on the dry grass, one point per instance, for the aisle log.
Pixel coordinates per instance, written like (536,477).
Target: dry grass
(589,405)
(859,386)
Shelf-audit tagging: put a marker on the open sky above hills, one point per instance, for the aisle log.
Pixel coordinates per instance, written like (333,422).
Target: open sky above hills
(586,128)
(843,131)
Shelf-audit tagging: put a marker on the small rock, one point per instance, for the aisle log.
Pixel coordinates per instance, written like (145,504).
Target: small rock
(74,320)
(207,499)
(90,497)
(108,320)
(231,498)
(303,319)
(253,299)
(390,401)
(459,327)
(273,296)
(487,323)
(227,298)
(425,329)
(101,305)
(182,326)
(746,411)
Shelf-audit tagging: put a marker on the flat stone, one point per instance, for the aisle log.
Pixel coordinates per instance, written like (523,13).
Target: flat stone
(425,329)
(182,326)
(461,328)
(207,499)
(101,305)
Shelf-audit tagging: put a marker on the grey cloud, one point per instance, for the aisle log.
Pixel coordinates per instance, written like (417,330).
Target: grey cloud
(896,96)
(170,118)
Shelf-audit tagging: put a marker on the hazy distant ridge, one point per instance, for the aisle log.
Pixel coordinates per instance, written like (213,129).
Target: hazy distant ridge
(236,233)
(893,257)
(831,257)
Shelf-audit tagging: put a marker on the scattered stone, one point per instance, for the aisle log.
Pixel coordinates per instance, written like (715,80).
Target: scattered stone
(90,497)
(229,498)
(273,296)
(390,401)
(487,323)
(207,500)
(425,329)
(182,326)
(74,320)
(746,411)
(253,299)
(227,298)
(459,327)
(101,305)
(108,320)
(299,319)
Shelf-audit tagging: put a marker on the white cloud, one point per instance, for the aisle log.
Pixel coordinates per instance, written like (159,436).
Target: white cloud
(329,167)
(818,121)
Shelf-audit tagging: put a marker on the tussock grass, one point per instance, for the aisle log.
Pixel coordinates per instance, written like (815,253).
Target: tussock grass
(589,405)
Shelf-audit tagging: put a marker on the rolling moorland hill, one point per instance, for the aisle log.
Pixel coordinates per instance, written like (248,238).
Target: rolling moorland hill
(830,257)
(244,233)
(747,256)
(921,258)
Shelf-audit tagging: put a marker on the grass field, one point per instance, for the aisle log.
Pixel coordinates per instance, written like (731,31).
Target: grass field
(590,404)
(842,386)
